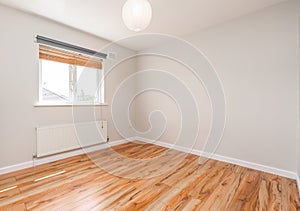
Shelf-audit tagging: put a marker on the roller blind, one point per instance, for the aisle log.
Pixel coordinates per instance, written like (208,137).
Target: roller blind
(58,55)
(69,47)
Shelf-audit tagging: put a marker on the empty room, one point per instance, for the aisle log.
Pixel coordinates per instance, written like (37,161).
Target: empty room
(150,105)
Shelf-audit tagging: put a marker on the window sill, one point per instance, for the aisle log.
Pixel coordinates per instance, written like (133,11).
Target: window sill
(67,105)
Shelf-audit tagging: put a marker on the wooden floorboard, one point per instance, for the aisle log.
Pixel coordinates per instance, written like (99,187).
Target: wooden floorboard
(139,176)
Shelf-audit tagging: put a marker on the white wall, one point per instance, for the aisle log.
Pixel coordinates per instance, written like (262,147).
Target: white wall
(19,83)
(298,158)
(156,100)
(256,58)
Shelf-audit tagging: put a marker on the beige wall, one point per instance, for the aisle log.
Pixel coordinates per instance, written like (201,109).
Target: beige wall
(256,58)
(19,83)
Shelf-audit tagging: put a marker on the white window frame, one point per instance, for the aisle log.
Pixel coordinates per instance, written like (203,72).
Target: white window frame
(72,87)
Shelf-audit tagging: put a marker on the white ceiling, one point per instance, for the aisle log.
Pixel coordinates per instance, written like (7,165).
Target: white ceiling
(175,17)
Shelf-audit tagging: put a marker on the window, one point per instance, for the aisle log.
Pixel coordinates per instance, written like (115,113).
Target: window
(69,78)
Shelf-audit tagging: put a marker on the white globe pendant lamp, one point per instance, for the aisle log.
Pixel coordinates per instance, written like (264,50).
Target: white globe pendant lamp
(137,14)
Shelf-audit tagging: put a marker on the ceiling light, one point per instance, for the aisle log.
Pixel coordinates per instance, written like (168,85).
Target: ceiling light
(137,14)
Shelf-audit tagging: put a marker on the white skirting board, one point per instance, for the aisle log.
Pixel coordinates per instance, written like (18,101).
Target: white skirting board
(49,159)
(226,159)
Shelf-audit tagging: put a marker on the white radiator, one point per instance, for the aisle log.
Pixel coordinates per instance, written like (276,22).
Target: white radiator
(55,139)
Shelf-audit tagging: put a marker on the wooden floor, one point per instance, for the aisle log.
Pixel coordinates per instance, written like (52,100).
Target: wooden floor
(174,181)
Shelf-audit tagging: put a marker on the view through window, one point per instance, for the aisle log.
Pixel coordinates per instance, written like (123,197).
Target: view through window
(62,81)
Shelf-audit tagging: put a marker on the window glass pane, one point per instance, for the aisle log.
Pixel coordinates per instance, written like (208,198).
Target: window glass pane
(55,81)
(87,84)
